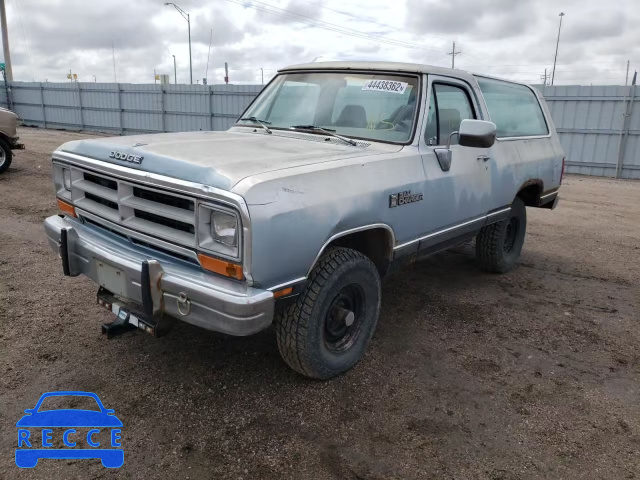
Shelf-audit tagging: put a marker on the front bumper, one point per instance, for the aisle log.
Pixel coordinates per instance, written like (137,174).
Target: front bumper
(181,291)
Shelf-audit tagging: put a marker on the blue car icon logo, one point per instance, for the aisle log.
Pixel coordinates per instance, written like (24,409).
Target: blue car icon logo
(71,427)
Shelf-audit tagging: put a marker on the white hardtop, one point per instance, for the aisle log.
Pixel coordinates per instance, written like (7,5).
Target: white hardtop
(399,67)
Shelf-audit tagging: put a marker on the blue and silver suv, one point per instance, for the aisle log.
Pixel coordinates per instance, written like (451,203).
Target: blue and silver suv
(335,175)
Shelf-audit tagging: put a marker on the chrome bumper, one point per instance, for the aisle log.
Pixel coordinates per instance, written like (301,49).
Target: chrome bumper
(162,287)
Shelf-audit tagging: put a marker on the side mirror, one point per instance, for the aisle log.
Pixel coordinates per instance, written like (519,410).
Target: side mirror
(476,133)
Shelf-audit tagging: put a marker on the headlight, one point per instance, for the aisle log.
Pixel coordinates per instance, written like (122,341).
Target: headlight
(219,231)
(224,228)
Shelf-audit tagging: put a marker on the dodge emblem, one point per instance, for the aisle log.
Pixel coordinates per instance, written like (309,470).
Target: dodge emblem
(127,157)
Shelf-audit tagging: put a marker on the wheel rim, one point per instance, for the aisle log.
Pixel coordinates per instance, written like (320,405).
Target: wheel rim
(3,157)
(343,321)
(511,234)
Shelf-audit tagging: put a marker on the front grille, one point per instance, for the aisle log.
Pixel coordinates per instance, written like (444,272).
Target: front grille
(166,216)
(100,200)
(105,182)
(175,224)
(163,198)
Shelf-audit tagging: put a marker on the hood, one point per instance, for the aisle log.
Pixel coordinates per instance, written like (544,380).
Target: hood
(221,159)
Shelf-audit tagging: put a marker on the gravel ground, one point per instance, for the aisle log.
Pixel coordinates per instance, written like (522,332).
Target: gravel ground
(531,374)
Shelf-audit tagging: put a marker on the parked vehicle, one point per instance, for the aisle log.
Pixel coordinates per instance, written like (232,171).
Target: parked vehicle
(8,138)
(335,175)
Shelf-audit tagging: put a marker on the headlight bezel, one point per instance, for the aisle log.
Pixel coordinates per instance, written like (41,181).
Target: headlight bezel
(60,175)
(206,236)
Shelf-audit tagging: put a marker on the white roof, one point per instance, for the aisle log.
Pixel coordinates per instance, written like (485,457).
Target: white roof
(386,66)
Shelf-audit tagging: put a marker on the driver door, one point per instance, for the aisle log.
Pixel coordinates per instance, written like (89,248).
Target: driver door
(457,199)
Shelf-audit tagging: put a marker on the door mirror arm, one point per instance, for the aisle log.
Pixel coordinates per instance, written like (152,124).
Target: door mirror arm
(444,155)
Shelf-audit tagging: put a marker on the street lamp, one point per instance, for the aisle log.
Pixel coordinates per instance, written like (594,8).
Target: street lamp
(553,74)
(185,15)
(175,74)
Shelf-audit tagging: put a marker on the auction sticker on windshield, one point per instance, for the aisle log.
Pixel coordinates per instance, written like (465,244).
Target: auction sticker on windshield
(385,86)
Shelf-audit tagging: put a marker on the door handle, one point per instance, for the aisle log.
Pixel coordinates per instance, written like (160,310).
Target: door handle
(484,157)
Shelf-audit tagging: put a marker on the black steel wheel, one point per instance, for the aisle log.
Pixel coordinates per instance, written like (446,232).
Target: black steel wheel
(498,246)
(326,331)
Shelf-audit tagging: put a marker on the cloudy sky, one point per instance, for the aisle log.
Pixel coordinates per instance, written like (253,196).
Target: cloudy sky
(509,38)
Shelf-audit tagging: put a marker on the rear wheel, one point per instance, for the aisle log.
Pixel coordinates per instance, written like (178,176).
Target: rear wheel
(5,156)
(498,246)
(326,331)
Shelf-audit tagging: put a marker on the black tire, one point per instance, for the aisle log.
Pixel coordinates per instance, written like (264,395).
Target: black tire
(312,338)
(498,245)
(6,156)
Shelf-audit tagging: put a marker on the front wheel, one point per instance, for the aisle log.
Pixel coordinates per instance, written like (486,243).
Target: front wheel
(326,331)
(498,245)
(5,156)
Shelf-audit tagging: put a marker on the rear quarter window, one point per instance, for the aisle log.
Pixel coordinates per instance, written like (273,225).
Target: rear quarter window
(513,108)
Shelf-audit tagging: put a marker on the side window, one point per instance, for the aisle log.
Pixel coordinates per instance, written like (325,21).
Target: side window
(513,108)
(449,105)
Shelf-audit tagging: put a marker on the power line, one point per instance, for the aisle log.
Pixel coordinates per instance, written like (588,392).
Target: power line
(369,20)
(281,12)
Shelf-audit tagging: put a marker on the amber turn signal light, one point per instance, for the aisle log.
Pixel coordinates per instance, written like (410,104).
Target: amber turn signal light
(283,292)
(221,267)
(67,208)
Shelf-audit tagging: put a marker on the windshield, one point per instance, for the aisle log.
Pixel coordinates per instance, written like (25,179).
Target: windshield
(374,106)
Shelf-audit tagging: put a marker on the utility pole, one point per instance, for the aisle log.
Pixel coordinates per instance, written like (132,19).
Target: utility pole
(113,53)
(626,78)
(453,54)
(262,74)
(553,74)
(186,16)
(206,73)
(175,72)
(8,72)
(544,77)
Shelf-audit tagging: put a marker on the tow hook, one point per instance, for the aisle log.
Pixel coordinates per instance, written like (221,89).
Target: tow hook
(184,304)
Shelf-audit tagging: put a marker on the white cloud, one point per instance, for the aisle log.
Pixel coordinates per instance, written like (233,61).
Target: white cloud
(501,37)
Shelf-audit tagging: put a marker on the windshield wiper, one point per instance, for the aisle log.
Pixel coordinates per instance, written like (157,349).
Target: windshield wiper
(261,122)
(324,130)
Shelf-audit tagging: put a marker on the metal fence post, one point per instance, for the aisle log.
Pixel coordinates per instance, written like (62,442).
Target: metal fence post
(80,106)
(44,110)
(210,99)
(120,110)
(629,100)
(162,100)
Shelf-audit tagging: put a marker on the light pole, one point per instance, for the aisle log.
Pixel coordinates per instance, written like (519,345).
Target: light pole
(185,15)
(553,74)
(175,74)
(262,74)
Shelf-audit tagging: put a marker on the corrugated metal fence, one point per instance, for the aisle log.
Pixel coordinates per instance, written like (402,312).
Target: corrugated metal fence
(598,125)
(599,128)
(127,108)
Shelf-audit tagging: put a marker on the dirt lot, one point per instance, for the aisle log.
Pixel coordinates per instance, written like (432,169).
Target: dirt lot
(532,374)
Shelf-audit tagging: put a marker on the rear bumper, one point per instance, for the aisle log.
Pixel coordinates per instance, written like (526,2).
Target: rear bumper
(181,291)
